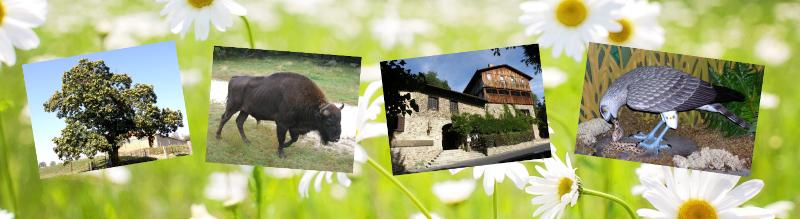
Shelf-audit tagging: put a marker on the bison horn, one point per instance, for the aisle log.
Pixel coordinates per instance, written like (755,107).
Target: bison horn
(342,107)
(324,109)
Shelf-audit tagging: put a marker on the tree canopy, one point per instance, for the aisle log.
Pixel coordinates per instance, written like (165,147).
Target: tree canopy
(102,108)
(432,78)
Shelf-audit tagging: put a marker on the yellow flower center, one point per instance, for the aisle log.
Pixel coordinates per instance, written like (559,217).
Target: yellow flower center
(571,12)
(695,209)
(623,35)
(2,12)
(564,186)
(200,3)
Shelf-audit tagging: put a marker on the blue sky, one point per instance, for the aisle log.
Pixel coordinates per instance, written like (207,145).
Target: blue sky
(458,68)
(155,64)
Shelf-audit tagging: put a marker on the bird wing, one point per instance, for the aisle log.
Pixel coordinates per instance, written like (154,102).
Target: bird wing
(669,90)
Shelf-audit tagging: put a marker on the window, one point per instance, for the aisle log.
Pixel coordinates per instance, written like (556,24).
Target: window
(489,77)
(401,124)
(526,112)
(491,90)
(503,92)
(513,82)
(453,106)
(526,94)
(515,93)
(433,103)
(502,80)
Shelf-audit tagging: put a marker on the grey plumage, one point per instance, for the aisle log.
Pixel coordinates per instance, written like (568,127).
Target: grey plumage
(663,89)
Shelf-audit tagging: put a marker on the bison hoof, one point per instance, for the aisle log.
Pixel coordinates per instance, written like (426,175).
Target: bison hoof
(281,154)
(246,141)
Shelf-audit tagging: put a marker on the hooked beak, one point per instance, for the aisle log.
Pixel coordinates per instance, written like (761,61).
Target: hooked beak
(610,118)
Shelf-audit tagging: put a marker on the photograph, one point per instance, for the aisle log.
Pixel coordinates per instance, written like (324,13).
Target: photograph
(465,109)
(311,97)
(107,109)
(669,109)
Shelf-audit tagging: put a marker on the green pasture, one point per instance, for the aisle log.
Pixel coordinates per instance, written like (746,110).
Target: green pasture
(263,147)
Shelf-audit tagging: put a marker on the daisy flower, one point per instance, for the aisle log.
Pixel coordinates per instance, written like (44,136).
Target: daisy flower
(228,187)
(567,25)
(318,176)
(6,215)
(199,211)
(182,13)
(420,215)
(553,77)
(17,19)
(454,192)
(648,171)
(369,111)
(697,194)
(496,173)
(781,209)
(391,29)
(116,175)
(557,187)
(640,28)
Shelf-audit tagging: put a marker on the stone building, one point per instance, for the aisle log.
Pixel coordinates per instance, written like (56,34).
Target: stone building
(422,136)
(133,143)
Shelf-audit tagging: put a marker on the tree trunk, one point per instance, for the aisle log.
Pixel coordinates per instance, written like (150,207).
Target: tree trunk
(151,139)
(113,156)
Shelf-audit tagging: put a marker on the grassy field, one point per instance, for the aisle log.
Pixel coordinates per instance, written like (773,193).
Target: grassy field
(100,162)
(338,79)
(263,147)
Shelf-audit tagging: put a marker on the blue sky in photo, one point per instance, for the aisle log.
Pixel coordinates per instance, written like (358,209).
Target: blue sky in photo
(458,68)
(154,64)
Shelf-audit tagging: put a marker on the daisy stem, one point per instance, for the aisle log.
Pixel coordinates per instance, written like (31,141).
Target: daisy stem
(494,200)
(249,32)
(400,185)
(257,175)
(9,183)
(584,191)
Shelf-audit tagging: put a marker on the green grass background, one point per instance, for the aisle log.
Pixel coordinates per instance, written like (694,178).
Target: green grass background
(167,189)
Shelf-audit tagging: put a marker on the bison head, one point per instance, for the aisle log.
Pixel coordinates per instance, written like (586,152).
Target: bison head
(330,119)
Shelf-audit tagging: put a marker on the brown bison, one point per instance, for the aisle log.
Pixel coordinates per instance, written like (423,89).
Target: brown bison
(292,100)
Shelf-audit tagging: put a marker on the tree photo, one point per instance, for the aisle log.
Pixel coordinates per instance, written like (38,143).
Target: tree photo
(103,108)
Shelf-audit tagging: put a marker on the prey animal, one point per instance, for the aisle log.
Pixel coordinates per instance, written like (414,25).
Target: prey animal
(666,91)
(294,102)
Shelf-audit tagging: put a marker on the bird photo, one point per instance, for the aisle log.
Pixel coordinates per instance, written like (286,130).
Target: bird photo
(634,101)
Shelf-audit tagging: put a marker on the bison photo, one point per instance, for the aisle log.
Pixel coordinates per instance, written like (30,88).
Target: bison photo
(292,110)
(293,101)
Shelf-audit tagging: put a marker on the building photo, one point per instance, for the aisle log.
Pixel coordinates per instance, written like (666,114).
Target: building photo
(443,114)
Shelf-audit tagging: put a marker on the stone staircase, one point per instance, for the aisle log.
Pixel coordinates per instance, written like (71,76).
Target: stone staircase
(453,156)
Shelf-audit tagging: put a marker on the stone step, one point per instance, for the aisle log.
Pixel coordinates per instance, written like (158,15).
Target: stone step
(453,156)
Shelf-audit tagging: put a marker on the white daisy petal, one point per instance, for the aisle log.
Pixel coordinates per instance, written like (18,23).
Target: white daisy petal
(181,15)
(7,54)
(21,37)
(741,194)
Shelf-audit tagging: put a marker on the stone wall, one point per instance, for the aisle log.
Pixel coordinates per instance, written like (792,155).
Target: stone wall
(427,124)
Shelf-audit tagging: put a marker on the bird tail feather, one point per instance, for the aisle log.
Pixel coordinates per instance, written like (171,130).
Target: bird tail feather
(727,113)
(725,94)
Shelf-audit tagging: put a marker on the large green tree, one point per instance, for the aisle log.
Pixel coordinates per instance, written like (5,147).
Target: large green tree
(102,109)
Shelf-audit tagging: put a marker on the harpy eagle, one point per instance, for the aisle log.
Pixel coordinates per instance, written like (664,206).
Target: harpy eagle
(665,90)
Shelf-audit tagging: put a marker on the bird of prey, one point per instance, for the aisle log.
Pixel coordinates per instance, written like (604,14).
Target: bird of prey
(666,91)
